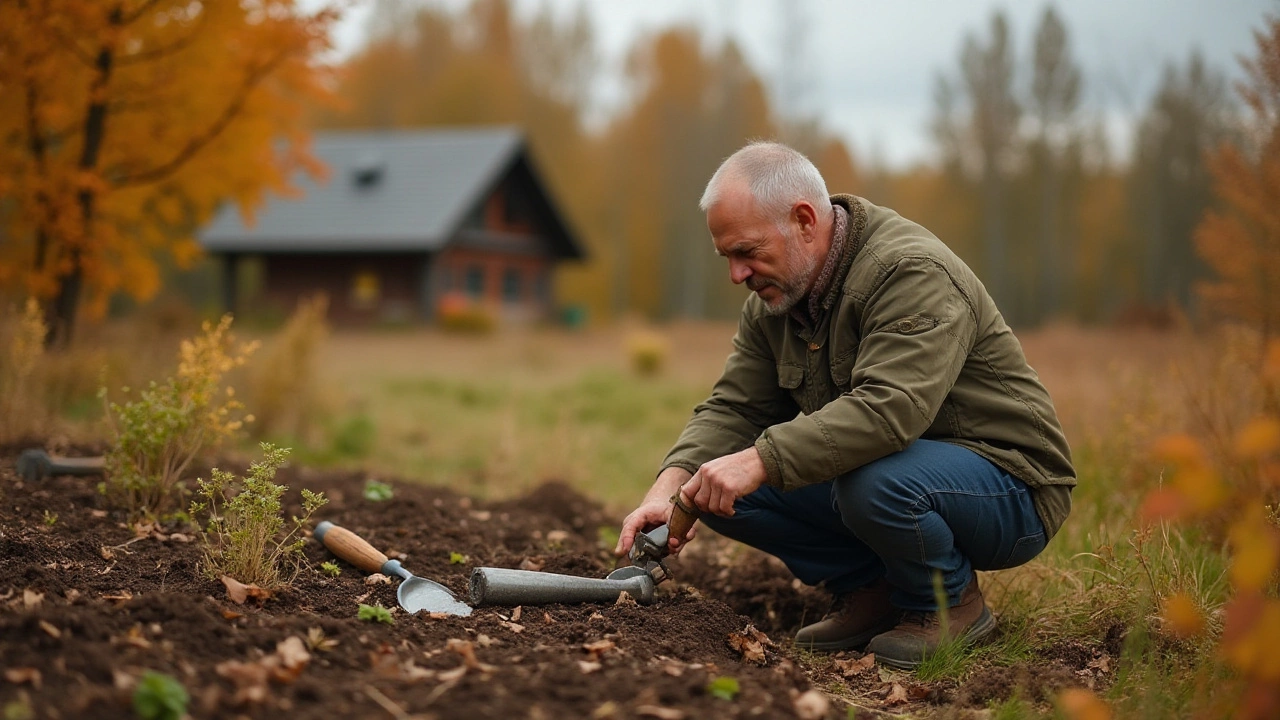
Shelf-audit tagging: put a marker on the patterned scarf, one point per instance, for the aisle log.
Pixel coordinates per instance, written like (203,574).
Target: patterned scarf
(817,300)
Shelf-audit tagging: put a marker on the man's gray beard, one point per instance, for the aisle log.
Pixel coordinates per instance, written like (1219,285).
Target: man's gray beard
(799,266)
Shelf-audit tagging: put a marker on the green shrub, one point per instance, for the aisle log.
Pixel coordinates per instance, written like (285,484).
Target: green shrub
(354,437)
(375,613)
(159,697)
(377,491)
(245,536)
(160,433)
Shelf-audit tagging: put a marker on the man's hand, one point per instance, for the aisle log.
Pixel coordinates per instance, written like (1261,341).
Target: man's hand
(717,484)
(654,510)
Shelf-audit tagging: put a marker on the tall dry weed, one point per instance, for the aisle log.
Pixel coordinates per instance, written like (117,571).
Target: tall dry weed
(285,386)
(166,426)
(23,412)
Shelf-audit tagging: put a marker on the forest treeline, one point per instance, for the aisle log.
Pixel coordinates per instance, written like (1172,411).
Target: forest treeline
(1024,185)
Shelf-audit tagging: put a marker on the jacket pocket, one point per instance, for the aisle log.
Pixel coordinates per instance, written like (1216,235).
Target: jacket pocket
(790,376)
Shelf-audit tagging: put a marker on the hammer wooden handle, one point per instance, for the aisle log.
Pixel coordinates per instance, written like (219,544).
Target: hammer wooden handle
(350,547)
(682,518)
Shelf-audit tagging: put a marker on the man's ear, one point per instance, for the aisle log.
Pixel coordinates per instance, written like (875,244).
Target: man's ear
(806,217)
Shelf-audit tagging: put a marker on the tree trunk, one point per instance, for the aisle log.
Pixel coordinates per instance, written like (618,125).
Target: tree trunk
(95,126)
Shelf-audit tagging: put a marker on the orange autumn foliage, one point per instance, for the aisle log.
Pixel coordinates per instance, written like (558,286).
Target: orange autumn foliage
(126,122)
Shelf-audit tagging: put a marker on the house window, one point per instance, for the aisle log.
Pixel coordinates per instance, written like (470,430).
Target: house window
(475,281)
(512,285)
(365,290)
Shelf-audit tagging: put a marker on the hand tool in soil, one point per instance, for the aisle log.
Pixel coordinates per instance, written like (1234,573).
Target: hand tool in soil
(414,593)
(502,586)
(36,464)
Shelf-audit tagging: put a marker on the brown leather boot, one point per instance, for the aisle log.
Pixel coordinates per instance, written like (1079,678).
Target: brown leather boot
(855,617)
(920,633)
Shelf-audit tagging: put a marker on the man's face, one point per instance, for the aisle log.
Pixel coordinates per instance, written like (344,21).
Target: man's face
(768,256)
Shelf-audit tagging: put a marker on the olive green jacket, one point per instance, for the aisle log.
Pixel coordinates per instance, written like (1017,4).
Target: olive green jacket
(910,345)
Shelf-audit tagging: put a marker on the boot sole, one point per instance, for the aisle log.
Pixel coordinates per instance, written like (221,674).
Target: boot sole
(980,628)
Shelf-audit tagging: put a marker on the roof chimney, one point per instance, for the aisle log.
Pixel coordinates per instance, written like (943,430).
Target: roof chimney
(368,171)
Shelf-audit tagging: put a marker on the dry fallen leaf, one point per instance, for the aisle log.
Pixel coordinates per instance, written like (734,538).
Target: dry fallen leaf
(292,658)
(811,705)
(624,598)
(17,676)
(318,642)
(897,695)
(453,675)
(587,666)
(513,627)
(595,616)
(31,598)
(239,592)
(49,629)
(598,648)
(135,638)
(662,713)
(752,650)
(377,579)
(468,653)
(231,614)
(849,668)
(532,564)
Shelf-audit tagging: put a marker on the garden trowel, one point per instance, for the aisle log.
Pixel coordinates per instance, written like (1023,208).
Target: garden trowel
(414,593)
(503,586)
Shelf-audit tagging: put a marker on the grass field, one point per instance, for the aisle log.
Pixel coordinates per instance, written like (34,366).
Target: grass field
(494,415)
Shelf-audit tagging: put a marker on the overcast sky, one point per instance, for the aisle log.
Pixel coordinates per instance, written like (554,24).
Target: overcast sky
(872,63)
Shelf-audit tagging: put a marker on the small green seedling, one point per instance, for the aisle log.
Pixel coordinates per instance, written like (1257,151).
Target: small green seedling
(330,568)
(724,687)
(377,491)
(50,518)
(457,558)
(159,697)
(375,613)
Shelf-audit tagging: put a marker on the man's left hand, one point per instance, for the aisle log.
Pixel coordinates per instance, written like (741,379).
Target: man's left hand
(717,484)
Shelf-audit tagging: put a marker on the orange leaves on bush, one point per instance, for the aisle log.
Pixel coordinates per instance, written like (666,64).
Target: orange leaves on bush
(1258,439)
(1182,616)
(1251,634)
(1081,704)
(1195,486)
(1255,548)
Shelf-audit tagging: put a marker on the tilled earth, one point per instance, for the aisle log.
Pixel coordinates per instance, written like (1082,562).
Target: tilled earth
(88,604)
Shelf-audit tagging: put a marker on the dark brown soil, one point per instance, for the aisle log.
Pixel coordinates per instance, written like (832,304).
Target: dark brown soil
(85,610)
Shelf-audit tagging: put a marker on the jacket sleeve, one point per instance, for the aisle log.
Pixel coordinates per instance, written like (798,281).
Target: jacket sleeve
(745,400)
(917,330)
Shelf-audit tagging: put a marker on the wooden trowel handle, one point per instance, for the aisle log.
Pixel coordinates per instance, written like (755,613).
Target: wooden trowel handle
(350,547)
(682,518)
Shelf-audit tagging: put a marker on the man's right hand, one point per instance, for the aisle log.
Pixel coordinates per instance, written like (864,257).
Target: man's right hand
(654,510)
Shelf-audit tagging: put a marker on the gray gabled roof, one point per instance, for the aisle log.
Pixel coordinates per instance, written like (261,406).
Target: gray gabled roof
(428,181)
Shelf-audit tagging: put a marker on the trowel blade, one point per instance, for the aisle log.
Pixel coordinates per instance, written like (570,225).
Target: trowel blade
(418,594)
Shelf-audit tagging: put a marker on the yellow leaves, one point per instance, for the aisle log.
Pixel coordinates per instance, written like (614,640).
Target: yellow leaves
(1261,437)
(1182,616)
(1081,704)
(1251,635)
(1194,488)
(1255,545)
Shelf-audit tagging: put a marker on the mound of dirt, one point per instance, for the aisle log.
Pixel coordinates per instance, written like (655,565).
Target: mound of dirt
(88,605)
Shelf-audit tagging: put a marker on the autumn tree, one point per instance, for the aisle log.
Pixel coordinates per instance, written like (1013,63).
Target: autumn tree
(1241,242)
(124,123)
(1170,179)
(1052,104)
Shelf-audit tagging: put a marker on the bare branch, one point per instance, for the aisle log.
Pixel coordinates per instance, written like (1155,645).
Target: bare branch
(229,113)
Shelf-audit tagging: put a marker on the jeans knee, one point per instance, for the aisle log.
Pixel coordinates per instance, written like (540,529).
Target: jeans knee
(868,498)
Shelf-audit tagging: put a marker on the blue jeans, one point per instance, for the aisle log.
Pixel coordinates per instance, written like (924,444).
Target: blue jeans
(932,508)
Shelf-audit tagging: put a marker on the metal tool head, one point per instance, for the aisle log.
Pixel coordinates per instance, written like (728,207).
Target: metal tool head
(419,594)
(647,554)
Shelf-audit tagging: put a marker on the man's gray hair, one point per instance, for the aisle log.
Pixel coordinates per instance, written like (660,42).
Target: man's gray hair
(778,177)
